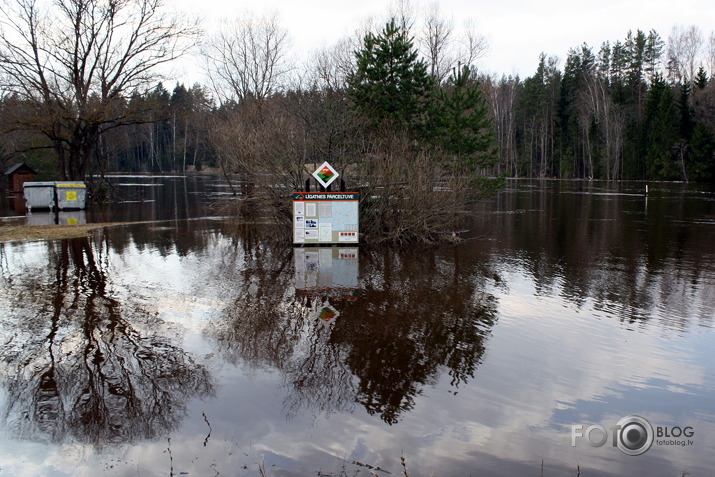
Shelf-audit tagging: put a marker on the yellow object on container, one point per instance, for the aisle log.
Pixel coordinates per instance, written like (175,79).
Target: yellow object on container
(71,195)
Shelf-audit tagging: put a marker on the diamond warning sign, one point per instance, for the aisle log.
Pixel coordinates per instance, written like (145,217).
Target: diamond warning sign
(325,174)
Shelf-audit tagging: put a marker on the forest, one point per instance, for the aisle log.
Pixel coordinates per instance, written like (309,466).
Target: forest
(637,108)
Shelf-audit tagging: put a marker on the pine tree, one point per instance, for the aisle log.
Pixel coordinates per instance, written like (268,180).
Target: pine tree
(662,128)
(701,79)
(461,123)
(687,121)
(603,62)
(636,48)
(701,157)
(575,114)
(390,84)
(536,110)
(619,61)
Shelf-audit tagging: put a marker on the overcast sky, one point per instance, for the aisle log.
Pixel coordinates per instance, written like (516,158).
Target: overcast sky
(517,30)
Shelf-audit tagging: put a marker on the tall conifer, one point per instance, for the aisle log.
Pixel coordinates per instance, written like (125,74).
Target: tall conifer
(390,84)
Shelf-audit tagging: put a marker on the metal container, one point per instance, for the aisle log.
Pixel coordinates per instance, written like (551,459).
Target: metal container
(40,218)
(71,195)
(72,217)
(39,195)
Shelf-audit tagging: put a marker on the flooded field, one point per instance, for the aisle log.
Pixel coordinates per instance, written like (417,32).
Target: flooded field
(190,346)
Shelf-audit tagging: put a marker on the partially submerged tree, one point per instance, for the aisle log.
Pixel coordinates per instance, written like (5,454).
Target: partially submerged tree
(76,61)
(423,144)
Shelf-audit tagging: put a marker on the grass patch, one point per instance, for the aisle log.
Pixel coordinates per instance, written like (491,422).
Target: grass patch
(14,233)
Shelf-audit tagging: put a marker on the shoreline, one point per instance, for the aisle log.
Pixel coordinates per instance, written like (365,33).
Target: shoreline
(19,233)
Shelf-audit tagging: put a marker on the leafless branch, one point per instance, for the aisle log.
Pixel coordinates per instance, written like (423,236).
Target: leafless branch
(248,58)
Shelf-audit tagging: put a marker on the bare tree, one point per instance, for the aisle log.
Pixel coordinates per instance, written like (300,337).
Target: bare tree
(248,58)
(329,67)
(711,54)
(445,48)
(74,61)
(404,14)
(684,45)
(436,42)
(473,45)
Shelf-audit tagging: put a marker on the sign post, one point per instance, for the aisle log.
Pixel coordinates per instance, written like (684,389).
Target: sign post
(323,218)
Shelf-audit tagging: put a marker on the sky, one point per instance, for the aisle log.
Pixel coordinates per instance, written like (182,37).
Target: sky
(517,31)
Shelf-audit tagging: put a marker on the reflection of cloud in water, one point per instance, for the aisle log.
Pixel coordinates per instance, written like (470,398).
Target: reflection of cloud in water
(82,366)
(520,409)
(391,339)
(484,363)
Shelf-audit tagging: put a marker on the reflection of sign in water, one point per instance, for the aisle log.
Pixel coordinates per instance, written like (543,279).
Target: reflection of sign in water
(325,217)
(325,174)
(328,314)
(326,272)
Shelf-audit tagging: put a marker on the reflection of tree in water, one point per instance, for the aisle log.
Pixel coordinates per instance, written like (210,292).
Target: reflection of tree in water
(421,313)
(319,377)
(598,245)
(405,328)
(256,331)
(266,326)
(86,367)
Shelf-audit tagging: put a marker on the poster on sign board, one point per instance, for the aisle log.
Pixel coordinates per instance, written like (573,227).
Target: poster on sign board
(326,217)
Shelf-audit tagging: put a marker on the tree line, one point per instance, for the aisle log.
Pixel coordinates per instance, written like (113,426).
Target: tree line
(639,108)
(85,98)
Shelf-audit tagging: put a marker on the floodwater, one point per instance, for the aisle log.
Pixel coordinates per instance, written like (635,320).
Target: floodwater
(190,346)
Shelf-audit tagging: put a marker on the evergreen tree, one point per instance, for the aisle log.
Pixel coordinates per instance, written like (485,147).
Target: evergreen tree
(619,60)
(461,125)
(603,63)
(701,78)
(662,128)
(701,157)
(687,122)
(637,65)
(635,46)
(566,115)
(390,84)
(537,110)
(653,52)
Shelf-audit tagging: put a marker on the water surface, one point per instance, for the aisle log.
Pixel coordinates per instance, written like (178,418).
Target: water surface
(193,346)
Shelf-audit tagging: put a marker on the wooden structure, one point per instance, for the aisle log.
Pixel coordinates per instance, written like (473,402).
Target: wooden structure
(18,175)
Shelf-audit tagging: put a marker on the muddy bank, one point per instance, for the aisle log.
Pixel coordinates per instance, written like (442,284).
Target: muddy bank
(13,233)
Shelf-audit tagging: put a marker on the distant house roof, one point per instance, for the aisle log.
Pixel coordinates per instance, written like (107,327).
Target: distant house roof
(18,166)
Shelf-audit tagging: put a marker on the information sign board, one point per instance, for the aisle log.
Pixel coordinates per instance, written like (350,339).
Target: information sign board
(325,217)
